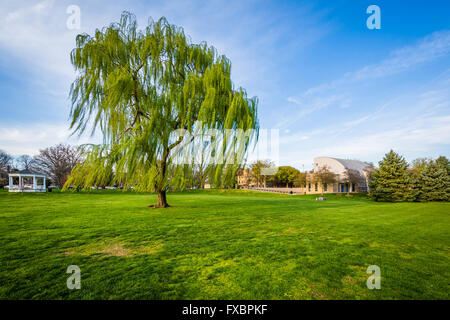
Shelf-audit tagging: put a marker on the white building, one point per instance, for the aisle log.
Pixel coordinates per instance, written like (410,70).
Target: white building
(358,170)
(27,181)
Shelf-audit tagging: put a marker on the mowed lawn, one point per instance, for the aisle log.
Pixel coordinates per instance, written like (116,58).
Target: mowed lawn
(221,245)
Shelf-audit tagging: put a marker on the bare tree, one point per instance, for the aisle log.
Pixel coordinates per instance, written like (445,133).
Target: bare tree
(5,167)
(324,175)
(419,164)
(258,172)
(57,162)
(5,161)
(300,180)
(356,177)
(24,162)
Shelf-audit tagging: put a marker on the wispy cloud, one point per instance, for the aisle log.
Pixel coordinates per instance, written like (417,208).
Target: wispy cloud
(416,124)
(35,41)
(339,93)
(416,136)
(36,35)
(339,119)
(348,116)
(431,47)
(21,139)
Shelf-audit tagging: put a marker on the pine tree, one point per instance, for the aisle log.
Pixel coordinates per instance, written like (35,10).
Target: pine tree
(444,162)
(434,183)
(390,181)
(414,171)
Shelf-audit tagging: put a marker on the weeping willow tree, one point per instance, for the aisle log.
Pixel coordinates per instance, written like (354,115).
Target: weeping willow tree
(155,95)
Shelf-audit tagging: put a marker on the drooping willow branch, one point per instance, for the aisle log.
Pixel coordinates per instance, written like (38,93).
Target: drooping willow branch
(139,87)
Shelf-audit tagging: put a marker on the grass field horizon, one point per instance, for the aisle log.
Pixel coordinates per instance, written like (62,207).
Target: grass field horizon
(221,244)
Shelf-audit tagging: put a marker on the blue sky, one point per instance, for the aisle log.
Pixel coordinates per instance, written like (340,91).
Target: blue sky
(329,84)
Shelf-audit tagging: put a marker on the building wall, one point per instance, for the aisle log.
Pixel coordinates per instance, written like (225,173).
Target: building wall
(245,179)
(330,188)
(340,167)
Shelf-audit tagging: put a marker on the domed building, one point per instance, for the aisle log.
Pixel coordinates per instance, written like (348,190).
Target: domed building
(350,175)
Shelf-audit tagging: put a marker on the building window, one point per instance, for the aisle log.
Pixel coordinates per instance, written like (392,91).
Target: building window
(325,187)
(309,187)
(315,187)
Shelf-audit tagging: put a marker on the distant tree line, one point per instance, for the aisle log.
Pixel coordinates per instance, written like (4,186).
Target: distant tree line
(287,176)
(393,181)
(55,162)
(58,161)
(5,167)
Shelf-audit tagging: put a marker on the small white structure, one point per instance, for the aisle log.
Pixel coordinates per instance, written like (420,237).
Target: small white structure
(27,181)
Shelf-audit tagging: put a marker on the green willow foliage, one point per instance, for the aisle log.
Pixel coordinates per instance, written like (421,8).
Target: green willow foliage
(140,87)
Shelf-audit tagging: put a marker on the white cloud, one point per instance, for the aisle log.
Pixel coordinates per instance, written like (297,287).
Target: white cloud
(422,129)
(413,121)
(18,140)
(415,137)
(340,92)
(35,35)
(429,48)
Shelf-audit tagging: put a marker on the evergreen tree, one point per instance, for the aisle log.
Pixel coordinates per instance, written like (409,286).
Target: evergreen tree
(390,181)
(414,171)
(444,163)
(433,183)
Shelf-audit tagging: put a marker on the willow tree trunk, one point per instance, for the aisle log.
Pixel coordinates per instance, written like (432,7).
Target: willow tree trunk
(162,202)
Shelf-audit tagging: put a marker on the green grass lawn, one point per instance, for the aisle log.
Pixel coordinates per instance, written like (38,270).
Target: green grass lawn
(221,245)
